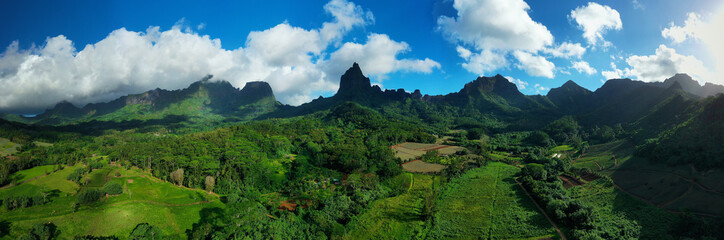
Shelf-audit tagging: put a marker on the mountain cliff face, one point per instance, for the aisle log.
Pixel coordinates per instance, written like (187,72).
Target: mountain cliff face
(353,83)
(617,101)
(203,99)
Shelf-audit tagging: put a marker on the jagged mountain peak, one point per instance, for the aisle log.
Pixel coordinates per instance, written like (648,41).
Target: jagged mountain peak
(496,84)
(257,90)
(354,82)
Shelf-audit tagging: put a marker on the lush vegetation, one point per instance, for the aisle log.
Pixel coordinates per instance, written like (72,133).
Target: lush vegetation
(190,168)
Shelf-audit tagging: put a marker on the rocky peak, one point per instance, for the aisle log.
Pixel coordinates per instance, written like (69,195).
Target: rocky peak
(353,82)
(497,84)
(257,90)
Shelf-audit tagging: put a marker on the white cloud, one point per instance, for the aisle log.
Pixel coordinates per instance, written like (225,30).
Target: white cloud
(487,30)
(534,65)
(664,64)
(292,60)
(285,45)
(595,19)
(705,31)
(567,50)
(583,67)
(637,5)
(520,83)
(480,63)
(463,52)
(615,73)
(495,25)
(693,28)
(346,15)
(377,57)
(540,89)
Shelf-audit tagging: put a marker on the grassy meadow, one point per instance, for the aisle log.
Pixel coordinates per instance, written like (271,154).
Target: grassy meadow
(487,203)
(144,199)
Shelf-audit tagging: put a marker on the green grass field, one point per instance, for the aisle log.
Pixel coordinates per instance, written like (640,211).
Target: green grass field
(487,203)
(562,148)
(144,199)
(607,155)
(397,217)
(7,147)
(612,206)
(27,174)
(410,151)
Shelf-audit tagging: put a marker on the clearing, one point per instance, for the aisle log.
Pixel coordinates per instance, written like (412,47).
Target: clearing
(613,206)
(487,203)
(144,199)
(606,156)
(418,166)
(7,147)
(409,151)
(396,217)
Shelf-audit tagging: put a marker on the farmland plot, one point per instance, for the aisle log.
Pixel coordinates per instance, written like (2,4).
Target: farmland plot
(410,151)
(486,203)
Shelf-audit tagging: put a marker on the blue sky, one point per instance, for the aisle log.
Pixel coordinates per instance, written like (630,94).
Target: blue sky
(425,54)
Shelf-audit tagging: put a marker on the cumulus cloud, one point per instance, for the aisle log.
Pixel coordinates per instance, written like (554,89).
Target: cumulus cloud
(292,59)
(487,30)
(583,67)
(540,89)
(482,62)
(595,20)
(615,73)
(377,57)
(566,50)
(665,63)
(534,65)
(519,83)
(693,28)
(705,31)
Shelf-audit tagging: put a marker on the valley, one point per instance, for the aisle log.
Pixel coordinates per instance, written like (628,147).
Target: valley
(487,162)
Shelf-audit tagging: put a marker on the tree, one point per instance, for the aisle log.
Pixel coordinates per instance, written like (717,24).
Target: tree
(210,182)
(145,231)
(41,231)
(113,188)
(178,176)
(89,195)
(536,171)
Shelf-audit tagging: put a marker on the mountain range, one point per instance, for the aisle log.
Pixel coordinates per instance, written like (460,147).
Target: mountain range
(617,101)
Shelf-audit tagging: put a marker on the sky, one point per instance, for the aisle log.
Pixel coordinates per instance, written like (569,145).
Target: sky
(96,51)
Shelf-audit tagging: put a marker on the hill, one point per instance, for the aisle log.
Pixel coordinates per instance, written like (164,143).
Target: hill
(202,101)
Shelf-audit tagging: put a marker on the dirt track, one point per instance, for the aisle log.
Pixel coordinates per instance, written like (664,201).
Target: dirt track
(560,234)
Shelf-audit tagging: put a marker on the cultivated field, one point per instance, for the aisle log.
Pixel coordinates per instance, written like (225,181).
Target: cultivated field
(7,147)
(397,217)
(144,199)
(410,151)
(680,188)
(487,203)
(606,156)
(613,206)
(418,166)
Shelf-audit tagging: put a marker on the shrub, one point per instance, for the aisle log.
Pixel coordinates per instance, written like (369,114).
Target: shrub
(145,231)
(76,175)
(113,188)
(88,196)
(210,182)
(178,176)
(96,165)
(41,231)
